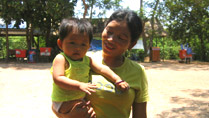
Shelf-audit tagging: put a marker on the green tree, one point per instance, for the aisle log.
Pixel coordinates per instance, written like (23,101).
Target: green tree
(186,21)
(189,21)
(42,14)
(47,14)
(8,12)
(151,24)
(102,5)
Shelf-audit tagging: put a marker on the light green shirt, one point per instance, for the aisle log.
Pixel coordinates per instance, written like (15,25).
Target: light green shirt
(108,102)
(78,70)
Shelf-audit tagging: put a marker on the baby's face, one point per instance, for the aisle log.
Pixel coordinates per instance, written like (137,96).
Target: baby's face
(75,45)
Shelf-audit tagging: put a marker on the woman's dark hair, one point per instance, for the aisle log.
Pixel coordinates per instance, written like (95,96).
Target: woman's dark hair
(69,25)
(133,21)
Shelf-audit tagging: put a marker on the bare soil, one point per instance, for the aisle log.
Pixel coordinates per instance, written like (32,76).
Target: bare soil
(177,90)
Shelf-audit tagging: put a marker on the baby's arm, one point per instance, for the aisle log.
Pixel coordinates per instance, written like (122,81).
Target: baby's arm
(107,72)
(66,83)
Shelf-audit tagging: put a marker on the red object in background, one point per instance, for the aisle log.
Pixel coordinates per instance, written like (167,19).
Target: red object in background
(32,52)
(183,54)
(155,54)
(20,53)
(45,51)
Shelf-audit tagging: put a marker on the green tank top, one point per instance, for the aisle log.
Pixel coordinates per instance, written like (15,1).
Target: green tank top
(78,70)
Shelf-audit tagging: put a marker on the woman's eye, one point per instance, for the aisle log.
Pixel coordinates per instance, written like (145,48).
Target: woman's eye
(109,32)
(121,38)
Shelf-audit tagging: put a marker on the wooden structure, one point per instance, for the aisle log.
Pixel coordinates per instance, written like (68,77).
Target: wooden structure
(17,32)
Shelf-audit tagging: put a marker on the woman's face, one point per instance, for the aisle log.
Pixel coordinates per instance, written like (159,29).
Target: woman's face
(116,38)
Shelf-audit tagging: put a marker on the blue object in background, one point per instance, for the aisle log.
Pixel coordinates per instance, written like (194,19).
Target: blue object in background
(186,46)
(32,56)
(95,45)
(189,50)
(182,47)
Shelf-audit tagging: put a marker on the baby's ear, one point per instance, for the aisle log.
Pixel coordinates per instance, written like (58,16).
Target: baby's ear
(59,43)
(132,44)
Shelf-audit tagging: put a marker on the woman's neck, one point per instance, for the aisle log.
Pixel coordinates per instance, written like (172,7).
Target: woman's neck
(113,61)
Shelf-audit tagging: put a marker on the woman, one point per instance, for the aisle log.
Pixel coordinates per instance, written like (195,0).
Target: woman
(120,34)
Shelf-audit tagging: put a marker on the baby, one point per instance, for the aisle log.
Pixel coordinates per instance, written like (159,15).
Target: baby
(71,67)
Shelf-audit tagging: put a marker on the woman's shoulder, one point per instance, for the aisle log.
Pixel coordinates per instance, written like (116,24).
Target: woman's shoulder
(134,64)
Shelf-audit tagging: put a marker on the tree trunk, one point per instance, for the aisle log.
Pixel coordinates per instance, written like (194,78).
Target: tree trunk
(7,43)
(152,25)
(143,33)
(47,36)
(85,9)
(92,5)
(141,8)
(144,39)
(203,51)
(27,37)
(31,36)
(33,42)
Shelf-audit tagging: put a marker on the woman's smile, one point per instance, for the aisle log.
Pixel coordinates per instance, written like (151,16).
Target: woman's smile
(109,46)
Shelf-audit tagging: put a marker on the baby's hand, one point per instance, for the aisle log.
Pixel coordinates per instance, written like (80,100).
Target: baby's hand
(122,85)
(87,88)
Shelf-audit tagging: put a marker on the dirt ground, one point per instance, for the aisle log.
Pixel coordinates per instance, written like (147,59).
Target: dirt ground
(177,90)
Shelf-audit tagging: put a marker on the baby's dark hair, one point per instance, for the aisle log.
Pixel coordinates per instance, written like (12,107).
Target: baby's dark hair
(133,21)
(69,25)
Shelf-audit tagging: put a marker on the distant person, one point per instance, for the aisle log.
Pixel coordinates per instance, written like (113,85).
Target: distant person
(71,69)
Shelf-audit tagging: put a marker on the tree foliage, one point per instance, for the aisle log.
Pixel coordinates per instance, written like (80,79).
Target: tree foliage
(186,21)
(189,21)
(42,14)
(102,5)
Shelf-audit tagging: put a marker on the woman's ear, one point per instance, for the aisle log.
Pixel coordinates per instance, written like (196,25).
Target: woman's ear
(59,43)
(132,45)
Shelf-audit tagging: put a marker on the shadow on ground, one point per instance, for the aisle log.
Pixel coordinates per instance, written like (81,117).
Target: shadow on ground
(21,66)
(168,64)
(175,65)
(197,107)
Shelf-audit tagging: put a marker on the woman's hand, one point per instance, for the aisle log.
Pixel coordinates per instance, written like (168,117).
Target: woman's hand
(82,110)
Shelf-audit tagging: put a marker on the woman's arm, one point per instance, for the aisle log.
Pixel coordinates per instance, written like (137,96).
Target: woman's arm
(139,110)
(66,83)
